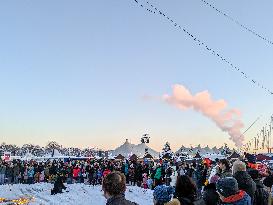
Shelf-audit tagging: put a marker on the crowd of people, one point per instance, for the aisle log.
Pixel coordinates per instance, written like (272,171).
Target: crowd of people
(173,183)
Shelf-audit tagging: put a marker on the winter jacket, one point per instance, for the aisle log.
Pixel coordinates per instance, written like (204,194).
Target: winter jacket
(158,173)
(16,170)
(261,196)
(2,169)
(30,173)
(245,183)
(119,200)
(9,172)
(106,172)
(187,201)
(242,198)
(210,195)
(268,181)
(76,172)
(226,173)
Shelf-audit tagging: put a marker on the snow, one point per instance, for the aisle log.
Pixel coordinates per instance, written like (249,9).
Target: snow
(80,194)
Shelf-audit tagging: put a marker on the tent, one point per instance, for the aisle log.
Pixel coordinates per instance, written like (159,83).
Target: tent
(133,158)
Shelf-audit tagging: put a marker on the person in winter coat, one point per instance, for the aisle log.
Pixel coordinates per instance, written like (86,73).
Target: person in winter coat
(261,196)
(169,172)
(163,195)
(138,174)
(230,193)
(2,173)
(225,168)
(210,194)
(186,191)
(9,173)
(58,186)
(76,173)
(106,172)
(47,174)
(132,180)
(268,181)
(244,180)
(114,187)
(30,175)
(16,173)
(158,175)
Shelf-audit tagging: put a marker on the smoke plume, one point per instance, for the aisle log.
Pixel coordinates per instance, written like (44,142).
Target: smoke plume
(228,120)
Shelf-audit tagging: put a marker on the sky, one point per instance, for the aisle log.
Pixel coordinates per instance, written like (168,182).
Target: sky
(77,72)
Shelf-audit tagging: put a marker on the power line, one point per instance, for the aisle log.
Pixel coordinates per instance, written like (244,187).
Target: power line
(251,125)
(154,10)
(238,22)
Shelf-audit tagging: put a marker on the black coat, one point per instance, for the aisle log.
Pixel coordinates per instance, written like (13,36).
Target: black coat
(58,186)
(246,183)
(261,196)
(187,201)
(210,195)
(119,200)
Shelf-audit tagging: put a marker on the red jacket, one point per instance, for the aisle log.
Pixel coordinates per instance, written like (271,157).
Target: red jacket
(76,172)
(106,172)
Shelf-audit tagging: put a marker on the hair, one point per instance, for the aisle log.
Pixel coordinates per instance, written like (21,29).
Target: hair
(226,163)
(238,166)
(185,187)
(114,183)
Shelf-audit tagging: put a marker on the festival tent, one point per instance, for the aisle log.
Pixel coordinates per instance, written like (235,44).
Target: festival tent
(133,158)
(127,149)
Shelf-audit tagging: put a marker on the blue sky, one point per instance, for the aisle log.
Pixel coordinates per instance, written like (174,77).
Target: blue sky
(76,72)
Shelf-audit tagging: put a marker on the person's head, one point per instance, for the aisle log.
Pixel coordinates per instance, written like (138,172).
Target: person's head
(162,194)
(238,166)
(114,184)
(226,187)
(224,164)
(185,187)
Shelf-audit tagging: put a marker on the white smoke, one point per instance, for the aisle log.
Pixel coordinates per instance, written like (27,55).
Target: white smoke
(227,120)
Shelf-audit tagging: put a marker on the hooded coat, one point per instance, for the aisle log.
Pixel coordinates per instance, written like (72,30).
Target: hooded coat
(210,195)
(245,183)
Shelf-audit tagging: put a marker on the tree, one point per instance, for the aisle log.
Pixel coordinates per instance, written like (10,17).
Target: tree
(167,152)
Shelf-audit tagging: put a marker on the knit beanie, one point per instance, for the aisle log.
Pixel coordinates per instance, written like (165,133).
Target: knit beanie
(163,193)
(227,186)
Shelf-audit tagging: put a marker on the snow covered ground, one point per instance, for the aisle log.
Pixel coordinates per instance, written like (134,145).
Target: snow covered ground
(78,194)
